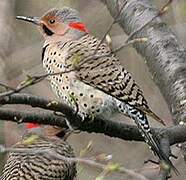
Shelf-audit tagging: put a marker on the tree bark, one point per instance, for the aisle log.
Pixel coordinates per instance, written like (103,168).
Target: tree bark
(163,53)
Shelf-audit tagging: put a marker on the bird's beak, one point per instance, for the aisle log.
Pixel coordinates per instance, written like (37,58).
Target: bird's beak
(34,20)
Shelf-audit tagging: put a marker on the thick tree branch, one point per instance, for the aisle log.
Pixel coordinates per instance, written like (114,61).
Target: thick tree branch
(108,127)
(163,53)
(112,128)
(32,117)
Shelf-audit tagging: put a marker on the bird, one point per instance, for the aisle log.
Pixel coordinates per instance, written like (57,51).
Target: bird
(85,74)
(39,156)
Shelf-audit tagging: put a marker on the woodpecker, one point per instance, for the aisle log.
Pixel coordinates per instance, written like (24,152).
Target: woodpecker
(95,81)
(38,156)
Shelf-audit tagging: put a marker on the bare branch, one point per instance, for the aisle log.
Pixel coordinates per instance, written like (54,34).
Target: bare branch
(112,128)
(6,86)
(111,25)
(128,43)
(33,117)
(32,80)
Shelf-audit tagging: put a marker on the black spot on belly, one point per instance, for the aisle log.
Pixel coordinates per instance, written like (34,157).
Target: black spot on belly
(97,110)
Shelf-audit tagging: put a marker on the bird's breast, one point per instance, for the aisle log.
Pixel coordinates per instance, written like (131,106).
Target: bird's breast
(71,90)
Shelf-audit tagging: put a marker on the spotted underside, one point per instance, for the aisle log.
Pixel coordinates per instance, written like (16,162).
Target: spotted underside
(99,86)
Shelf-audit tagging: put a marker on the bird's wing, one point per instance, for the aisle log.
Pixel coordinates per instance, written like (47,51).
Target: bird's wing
(106,73)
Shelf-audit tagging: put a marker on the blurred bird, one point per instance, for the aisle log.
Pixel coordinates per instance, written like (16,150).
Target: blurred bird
(96,83)
(39,157)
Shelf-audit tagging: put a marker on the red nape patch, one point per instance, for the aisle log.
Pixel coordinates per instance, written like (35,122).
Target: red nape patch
(31,125)
(79,26)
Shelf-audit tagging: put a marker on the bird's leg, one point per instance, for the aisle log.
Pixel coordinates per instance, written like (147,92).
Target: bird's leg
(73,102)
(70,129)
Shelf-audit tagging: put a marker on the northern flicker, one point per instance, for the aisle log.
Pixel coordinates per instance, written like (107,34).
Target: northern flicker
(98,84)
(32,159)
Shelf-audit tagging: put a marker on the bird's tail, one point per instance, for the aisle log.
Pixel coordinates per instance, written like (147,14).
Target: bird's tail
(143,125)
(152,114)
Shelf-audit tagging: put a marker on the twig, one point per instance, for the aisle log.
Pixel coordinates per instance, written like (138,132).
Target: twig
(110,27)
(6,86)
(131,42)
(21,86)
(32,80)
(128,41)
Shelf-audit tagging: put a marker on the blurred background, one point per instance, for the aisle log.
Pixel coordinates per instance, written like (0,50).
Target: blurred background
(20,54)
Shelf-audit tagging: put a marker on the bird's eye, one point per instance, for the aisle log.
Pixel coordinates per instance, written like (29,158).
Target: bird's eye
(52,21)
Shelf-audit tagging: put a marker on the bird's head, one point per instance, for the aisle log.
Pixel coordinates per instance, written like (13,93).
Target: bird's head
(56,23)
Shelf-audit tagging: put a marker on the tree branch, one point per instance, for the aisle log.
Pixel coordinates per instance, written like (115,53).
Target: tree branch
(112,128)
